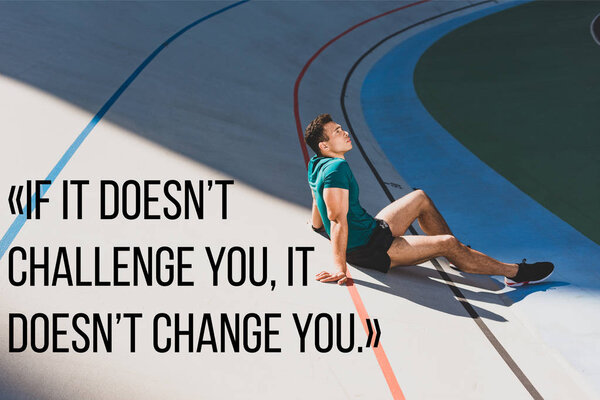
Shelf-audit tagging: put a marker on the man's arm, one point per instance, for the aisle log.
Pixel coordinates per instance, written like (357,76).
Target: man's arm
(317,222)
(336,200)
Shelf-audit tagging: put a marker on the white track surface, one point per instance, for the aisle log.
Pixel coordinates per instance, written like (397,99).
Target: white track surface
(217,103)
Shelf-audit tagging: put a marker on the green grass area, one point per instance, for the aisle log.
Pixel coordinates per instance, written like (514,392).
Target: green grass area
(521,90)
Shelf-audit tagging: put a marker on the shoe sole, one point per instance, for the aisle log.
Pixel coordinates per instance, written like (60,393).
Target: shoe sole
(512,283)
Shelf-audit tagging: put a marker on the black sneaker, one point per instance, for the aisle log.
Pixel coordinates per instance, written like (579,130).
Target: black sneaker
(530,273)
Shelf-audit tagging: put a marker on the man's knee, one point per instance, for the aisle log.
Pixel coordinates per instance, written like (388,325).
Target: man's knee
(421,197)
(448,242)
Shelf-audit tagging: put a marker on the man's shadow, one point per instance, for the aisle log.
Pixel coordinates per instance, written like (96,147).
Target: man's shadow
(426,286)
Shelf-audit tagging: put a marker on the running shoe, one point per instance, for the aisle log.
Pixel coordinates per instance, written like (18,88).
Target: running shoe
(530,273)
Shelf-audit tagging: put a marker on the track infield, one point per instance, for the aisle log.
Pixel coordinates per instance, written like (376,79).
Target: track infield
(517,89)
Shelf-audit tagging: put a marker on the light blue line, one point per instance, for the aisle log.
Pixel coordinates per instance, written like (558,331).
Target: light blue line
(20,220)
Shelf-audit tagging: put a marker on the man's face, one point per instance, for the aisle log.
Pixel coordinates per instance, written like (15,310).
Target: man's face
(339,140)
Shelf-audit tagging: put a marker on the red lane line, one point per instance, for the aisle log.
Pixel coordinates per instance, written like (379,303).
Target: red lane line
(301,75)
(380,355)
(382,360)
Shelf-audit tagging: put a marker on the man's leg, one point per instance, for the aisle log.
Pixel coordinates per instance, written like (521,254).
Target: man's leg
(416,205)
(411,250)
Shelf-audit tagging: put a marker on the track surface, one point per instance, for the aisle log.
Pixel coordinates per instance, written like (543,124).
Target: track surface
(217,103)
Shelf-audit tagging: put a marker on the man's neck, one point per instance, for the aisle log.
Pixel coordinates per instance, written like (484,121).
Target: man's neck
(334,155)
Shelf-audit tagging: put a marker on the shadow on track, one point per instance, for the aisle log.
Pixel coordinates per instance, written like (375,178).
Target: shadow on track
(423,286)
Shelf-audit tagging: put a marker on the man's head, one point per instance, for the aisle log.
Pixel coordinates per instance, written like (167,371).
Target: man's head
(327,138)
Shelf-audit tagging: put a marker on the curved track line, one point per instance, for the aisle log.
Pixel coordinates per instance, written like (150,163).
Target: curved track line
(20,220)
(314,56)
(595,29)
(380,355)
(455,290)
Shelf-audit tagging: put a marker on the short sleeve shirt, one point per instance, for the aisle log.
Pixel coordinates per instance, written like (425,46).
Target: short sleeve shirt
(329,172)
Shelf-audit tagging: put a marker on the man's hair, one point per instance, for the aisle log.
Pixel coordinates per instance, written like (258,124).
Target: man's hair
(315,134)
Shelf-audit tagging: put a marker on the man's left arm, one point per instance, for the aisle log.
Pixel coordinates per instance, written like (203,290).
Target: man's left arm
(317,222)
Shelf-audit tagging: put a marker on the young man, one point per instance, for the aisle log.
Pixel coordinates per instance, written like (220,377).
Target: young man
(378,243)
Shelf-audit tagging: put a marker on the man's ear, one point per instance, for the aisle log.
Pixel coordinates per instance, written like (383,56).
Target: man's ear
(322,146)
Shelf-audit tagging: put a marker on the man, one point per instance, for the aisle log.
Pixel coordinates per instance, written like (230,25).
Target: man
(378,243)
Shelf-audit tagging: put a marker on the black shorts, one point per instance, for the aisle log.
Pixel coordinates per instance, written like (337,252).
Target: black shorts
(373,255)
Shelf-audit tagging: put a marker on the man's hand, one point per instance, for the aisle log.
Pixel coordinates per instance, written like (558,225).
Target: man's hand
(338,276)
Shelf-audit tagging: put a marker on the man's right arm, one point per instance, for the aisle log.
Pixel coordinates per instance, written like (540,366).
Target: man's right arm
(336,200)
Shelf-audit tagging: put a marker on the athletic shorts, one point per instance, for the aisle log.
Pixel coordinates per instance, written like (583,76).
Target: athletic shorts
(373,255)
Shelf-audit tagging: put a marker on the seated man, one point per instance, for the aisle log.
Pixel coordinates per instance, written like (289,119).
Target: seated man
(378,243)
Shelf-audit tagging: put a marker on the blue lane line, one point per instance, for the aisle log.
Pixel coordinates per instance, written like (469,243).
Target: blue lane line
(20,220)
(482,207)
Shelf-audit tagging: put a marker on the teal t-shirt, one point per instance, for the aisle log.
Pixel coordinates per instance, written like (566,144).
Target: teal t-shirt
(328,172)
